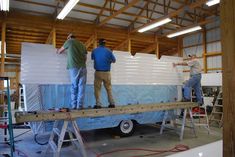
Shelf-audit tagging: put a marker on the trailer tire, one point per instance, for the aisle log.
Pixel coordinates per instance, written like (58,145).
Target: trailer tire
(126,128)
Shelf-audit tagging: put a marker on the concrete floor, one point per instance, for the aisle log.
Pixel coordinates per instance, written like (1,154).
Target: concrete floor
(100,141)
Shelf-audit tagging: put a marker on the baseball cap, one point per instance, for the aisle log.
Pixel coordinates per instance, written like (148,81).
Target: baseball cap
(192,55)
(70,35)
(102,41)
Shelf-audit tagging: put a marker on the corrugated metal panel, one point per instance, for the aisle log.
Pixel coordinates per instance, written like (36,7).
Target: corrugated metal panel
(214,47)
(214,24)
(198,50)
(41,65)
(193,39)
(10,74)
(213,35)
(31,7)
(214,62)
(212,79)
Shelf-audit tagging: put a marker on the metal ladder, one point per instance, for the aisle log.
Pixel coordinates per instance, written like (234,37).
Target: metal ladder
(56,146)
(6,121)
(175,124)
(197,116)
(217,111)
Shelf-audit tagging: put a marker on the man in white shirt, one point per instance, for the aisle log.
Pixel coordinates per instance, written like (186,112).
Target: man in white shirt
(194,80)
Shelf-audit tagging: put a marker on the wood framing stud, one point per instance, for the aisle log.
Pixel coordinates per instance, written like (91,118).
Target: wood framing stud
(157,48)
(51,39)
(204,50)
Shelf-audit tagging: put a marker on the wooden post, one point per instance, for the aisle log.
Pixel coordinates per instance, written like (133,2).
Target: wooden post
(3,39)
(180,47)
(228,62)
(204,51)
(95,40)
(157,48)
(54,37)
(129,43)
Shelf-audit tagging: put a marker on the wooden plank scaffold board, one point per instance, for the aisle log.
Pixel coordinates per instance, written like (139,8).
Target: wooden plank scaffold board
(72,115)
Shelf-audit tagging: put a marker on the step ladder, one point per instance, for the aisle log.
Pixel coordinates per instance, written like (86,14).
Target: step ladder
(71,130)
(200,119)
(217,111)
(173,125)
(6,127)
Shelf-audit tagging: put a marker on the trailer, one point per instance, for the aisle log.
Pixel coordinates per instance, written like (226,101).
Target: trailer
(139,79)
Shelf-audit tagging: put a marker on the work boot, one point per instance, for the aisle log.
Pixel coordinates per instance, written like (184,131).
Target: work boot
(111,106)
(185,100)
(97,107)
(80,107)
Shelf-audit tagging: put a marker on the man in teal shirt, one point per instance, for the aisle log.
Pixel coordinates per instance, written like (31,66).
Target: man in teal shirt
(76,64)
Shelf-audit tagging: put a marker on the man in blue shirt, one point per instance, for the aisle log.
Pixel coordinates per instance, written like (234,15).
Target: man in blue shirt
(103,57)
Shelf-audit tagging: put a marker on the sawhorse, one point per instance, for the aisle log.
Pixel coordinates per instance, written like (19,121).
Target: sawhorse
(185,110)
(77,142)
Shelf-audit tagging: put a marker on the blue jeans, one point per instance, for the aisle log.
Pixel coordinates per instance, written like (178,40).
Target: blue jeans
(78,79)
(195,83)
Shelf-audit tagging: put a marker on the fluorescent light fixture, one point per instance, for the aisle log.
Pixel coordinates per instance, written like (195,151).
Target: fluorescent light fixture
(68,7)
(212,2)
(154,25)
(189,30)
(4,5)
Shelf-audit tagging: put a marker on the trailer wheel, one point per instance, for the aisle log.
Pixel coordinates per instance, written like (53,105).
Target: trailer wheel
(126,128)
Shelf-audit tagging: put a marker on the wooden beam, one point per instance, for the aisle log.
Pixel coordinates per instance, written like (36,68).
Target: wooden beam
(129,44)
(204,50)
(89,41)
(174,13)
(95,40)
(133,2)
(180,46)
(128,109)
(54,37)
(120,45)
(101,12)
(212,54)
(51,39)
(3,40)
(228,63)
(140,12)
(157,48)
(149,49)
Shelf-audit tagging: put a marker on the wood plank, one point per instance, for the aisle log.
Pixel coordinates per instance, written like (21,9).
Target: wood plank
(3,40)
(133,2)
(228,63)
(204,50)
(128,109)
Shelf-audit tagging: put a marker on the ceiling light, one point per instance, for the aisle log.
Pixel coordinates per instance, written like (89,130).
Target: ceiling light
(212,2)
(185,31)
(154,25)
(68,7)
(4,5)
